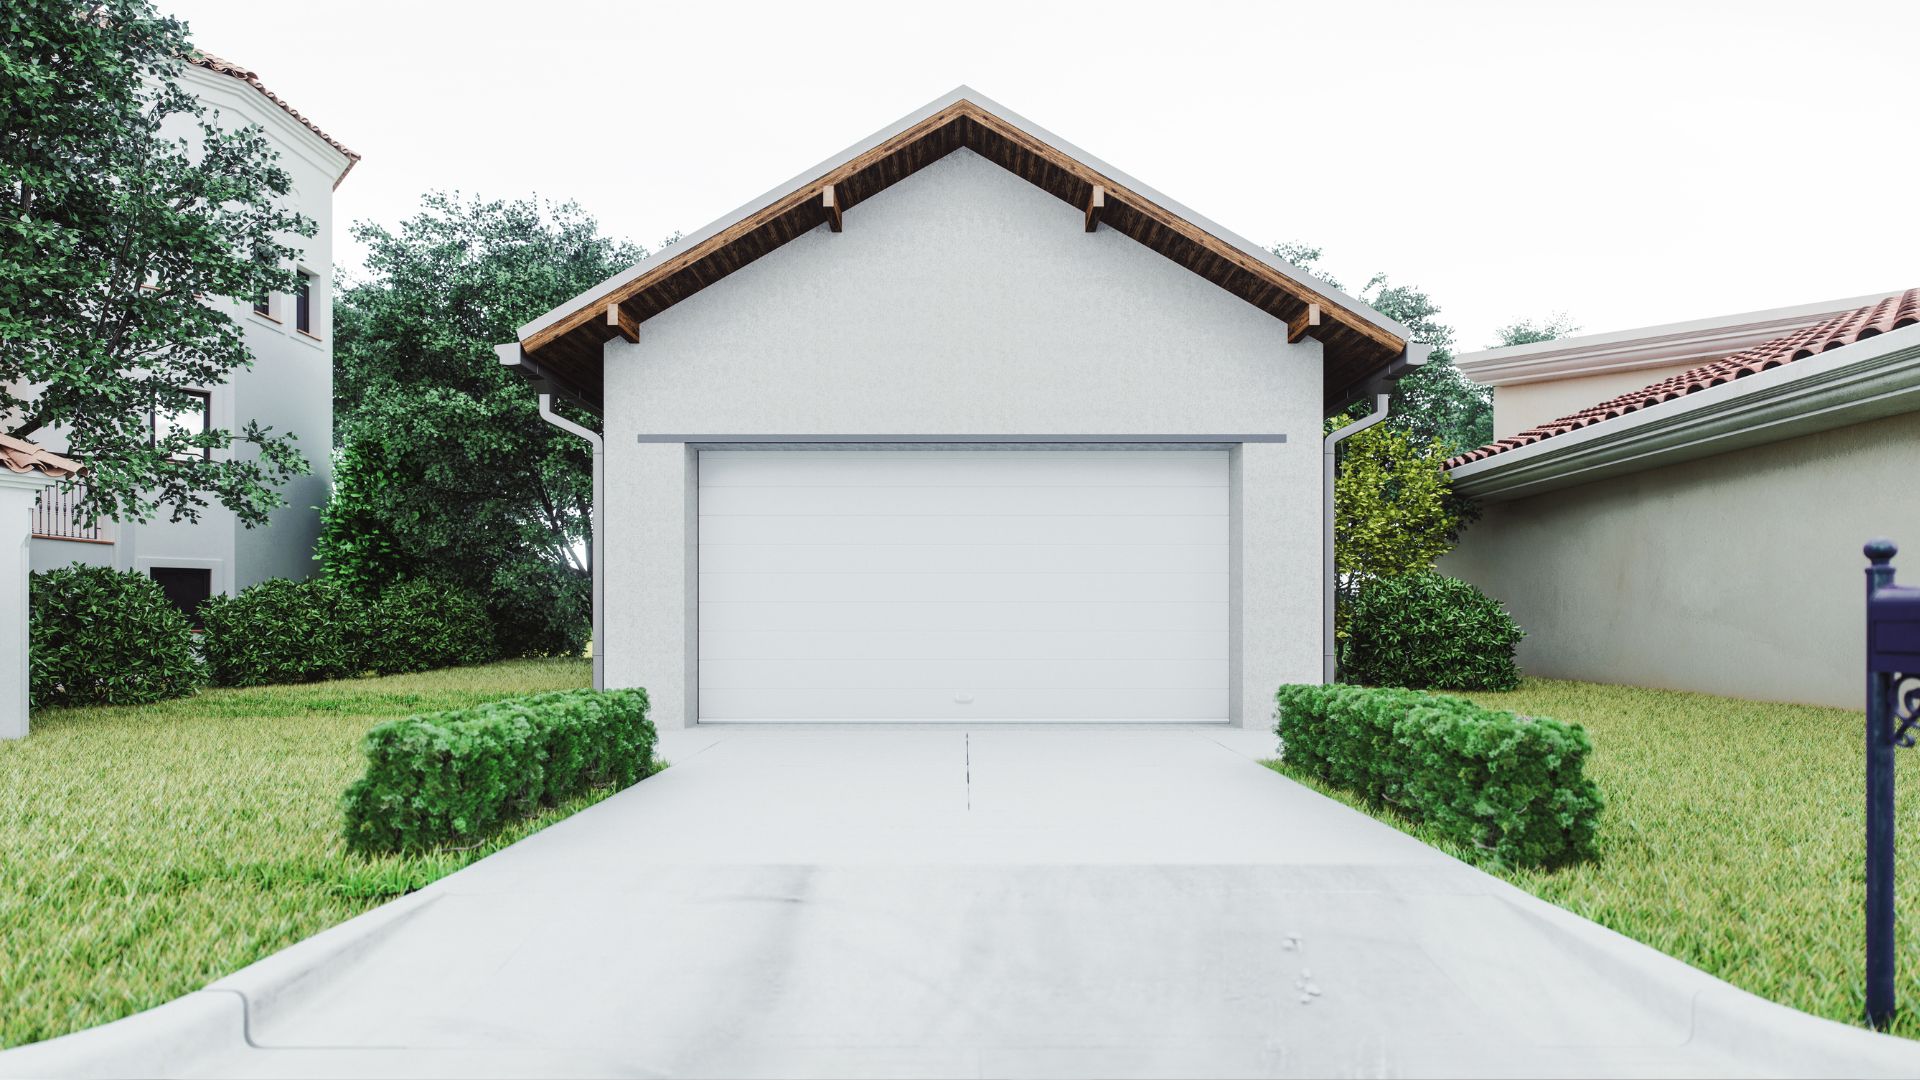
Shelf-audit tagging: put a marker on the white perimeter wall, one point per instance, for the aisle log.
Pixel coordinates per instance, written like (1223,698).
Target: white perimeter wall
(1739,574)
(961,301)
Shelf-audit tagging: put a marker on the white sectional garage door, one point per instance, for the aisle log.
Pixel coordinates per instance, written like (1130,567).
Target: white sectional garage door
(963,585)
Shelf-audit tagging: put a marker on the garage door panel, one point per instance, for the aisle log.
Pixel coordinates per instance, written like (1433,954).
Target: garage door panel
(849,500)
(987,617)
(947,675)
(1039,706)
(940,468)
(1129,645)
(963,585)
(952,588)
(964,558)
(1072,530)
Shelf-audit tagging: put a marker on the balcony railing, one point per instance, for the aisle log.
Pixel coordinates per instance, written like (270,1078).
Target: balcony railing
(55,518)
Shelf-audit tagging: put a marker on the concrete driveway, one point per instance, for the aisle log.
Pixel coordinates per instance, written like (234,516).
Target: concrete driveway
(835,901)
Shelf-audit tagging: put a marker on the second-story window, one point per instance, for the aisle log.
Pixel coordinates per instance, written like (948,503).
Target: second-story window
(303,304)
(262,304)
(195,419)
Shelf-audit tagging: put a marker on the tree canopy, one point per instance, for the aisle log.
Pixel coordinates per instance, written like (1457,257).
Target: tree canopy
(445,468)
(131,225)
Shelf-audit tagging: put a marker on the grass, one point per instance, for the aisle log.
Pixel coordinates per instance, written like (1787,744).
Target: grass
(1732,838)
(149,850)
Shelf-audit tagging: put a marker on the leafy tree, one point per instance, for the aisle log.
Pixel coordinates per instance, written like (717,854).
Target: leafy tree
(131,224)
(1435,402)
(446,470)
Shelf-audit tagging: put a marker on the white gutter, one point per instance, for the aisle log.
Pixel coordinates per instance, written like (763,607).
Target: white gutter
(1869,379)
(593,540)
(1328,582)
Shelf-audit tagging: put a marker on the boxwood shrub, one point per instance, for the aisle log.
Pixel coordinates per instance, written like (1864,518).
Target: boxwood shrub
(1426,630)
(1511,786)
(452,777)
(419,625)
(282,631)
(99,636)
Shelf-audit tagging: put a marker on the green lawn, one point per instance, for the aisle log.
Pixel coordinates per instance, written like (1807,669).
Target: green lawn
(1731,838)
(149,850)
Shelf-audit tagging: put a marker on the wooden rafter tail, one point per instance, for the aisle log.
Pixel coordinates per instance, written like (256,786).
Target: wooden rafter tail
(1096,206)
(1303,324)
(830,203)
(622,323)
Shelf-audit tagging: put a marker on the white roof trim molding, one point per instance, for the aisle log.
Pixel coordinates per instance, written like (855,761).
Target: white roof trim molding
(1682,344)
(1867,380)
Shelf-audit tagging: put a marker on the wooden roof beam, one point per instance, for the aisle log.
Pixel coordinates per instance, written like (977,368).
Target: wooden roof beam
(622,323)
(1304,324)
(1096,206)
(830,205)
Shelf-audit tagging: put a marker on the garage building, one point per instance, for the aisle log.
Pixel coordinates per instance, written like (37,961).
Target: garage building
(961,425)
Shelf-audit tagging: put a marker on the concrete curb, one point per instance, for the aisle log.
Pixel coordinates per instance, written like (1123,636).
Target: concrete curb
(178,1038)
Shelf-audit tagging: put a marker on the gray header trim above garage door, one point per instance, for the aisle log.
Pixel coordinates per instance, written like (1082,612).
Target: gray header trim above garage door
(716,442)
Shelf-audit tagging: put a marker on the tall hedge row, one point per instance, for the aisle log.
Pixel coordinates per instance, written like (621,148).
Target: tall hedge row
(282,631)
(452,777)
(1513,786)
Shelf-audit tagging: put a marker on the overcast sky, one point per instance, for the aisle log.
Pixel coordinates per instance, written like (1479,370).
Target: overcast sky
(1625,163)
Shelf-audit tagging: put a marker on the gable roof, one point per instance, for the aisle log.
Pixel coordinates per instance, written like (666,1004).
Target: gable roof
(234,71)
(1889,313)
(563,347)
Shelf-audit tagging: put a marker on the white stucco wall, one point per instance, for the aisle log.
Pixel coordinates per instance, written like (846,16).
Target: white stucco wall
(1519,406)
(1738,574)
(962,301)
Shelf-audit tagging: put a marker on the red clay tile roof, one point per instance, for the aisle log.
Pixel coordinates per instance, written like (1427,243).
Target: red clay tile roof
(1892,313)
(21,456)
(232,70)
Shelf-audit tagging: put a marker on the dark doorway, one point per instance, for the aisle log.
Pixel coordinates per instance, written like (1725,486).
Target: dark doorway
(187,587)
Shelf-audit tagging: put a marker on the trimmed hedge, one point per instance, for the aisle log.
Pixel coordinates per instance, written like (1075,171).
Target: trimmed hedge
(451,777)
(1512,786)
(1425,630)
(420,625)
(282,631)
(97,636)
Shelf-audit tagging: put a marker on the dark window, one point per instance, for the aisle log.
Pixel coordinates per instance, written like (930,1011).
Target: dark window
(186,587)
(260,303)
(195,419)
(303,304)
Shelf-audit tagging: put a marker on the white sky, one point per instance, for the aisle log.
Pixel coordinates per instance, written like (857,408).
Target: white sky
(1627,163)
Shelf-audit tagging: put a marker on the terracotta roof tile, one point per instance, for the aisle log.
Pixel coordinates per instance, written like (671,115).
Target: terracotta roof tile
(235,71)
(1891,313)
(21,456)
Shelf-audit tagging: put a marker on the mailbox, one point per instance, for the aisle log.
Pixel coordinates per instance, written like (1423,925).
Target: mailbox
(1893,630)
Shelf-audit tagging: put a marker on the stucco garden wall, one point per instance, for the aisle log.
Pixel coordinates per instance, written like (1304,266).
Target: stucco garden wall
(961,301)
(1738,574)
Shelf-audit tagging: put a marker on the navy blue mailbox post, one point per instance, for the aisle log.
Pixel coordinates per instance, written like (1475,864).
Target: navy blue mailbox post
(1893,711)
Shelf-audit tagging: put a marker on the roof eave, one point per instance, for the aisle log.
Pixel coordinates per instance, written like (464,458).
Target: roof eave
(819,172)
(1865,380)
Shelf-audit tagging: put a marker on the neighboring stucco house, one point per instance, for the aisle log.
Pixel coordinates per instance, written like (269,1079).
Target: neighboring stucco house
(1700,528)
(288,388)
(962,424)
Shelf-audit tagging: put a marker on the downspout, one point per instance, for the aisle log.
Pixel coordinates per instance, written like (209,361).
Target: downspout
(1329,583)
(593,541)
